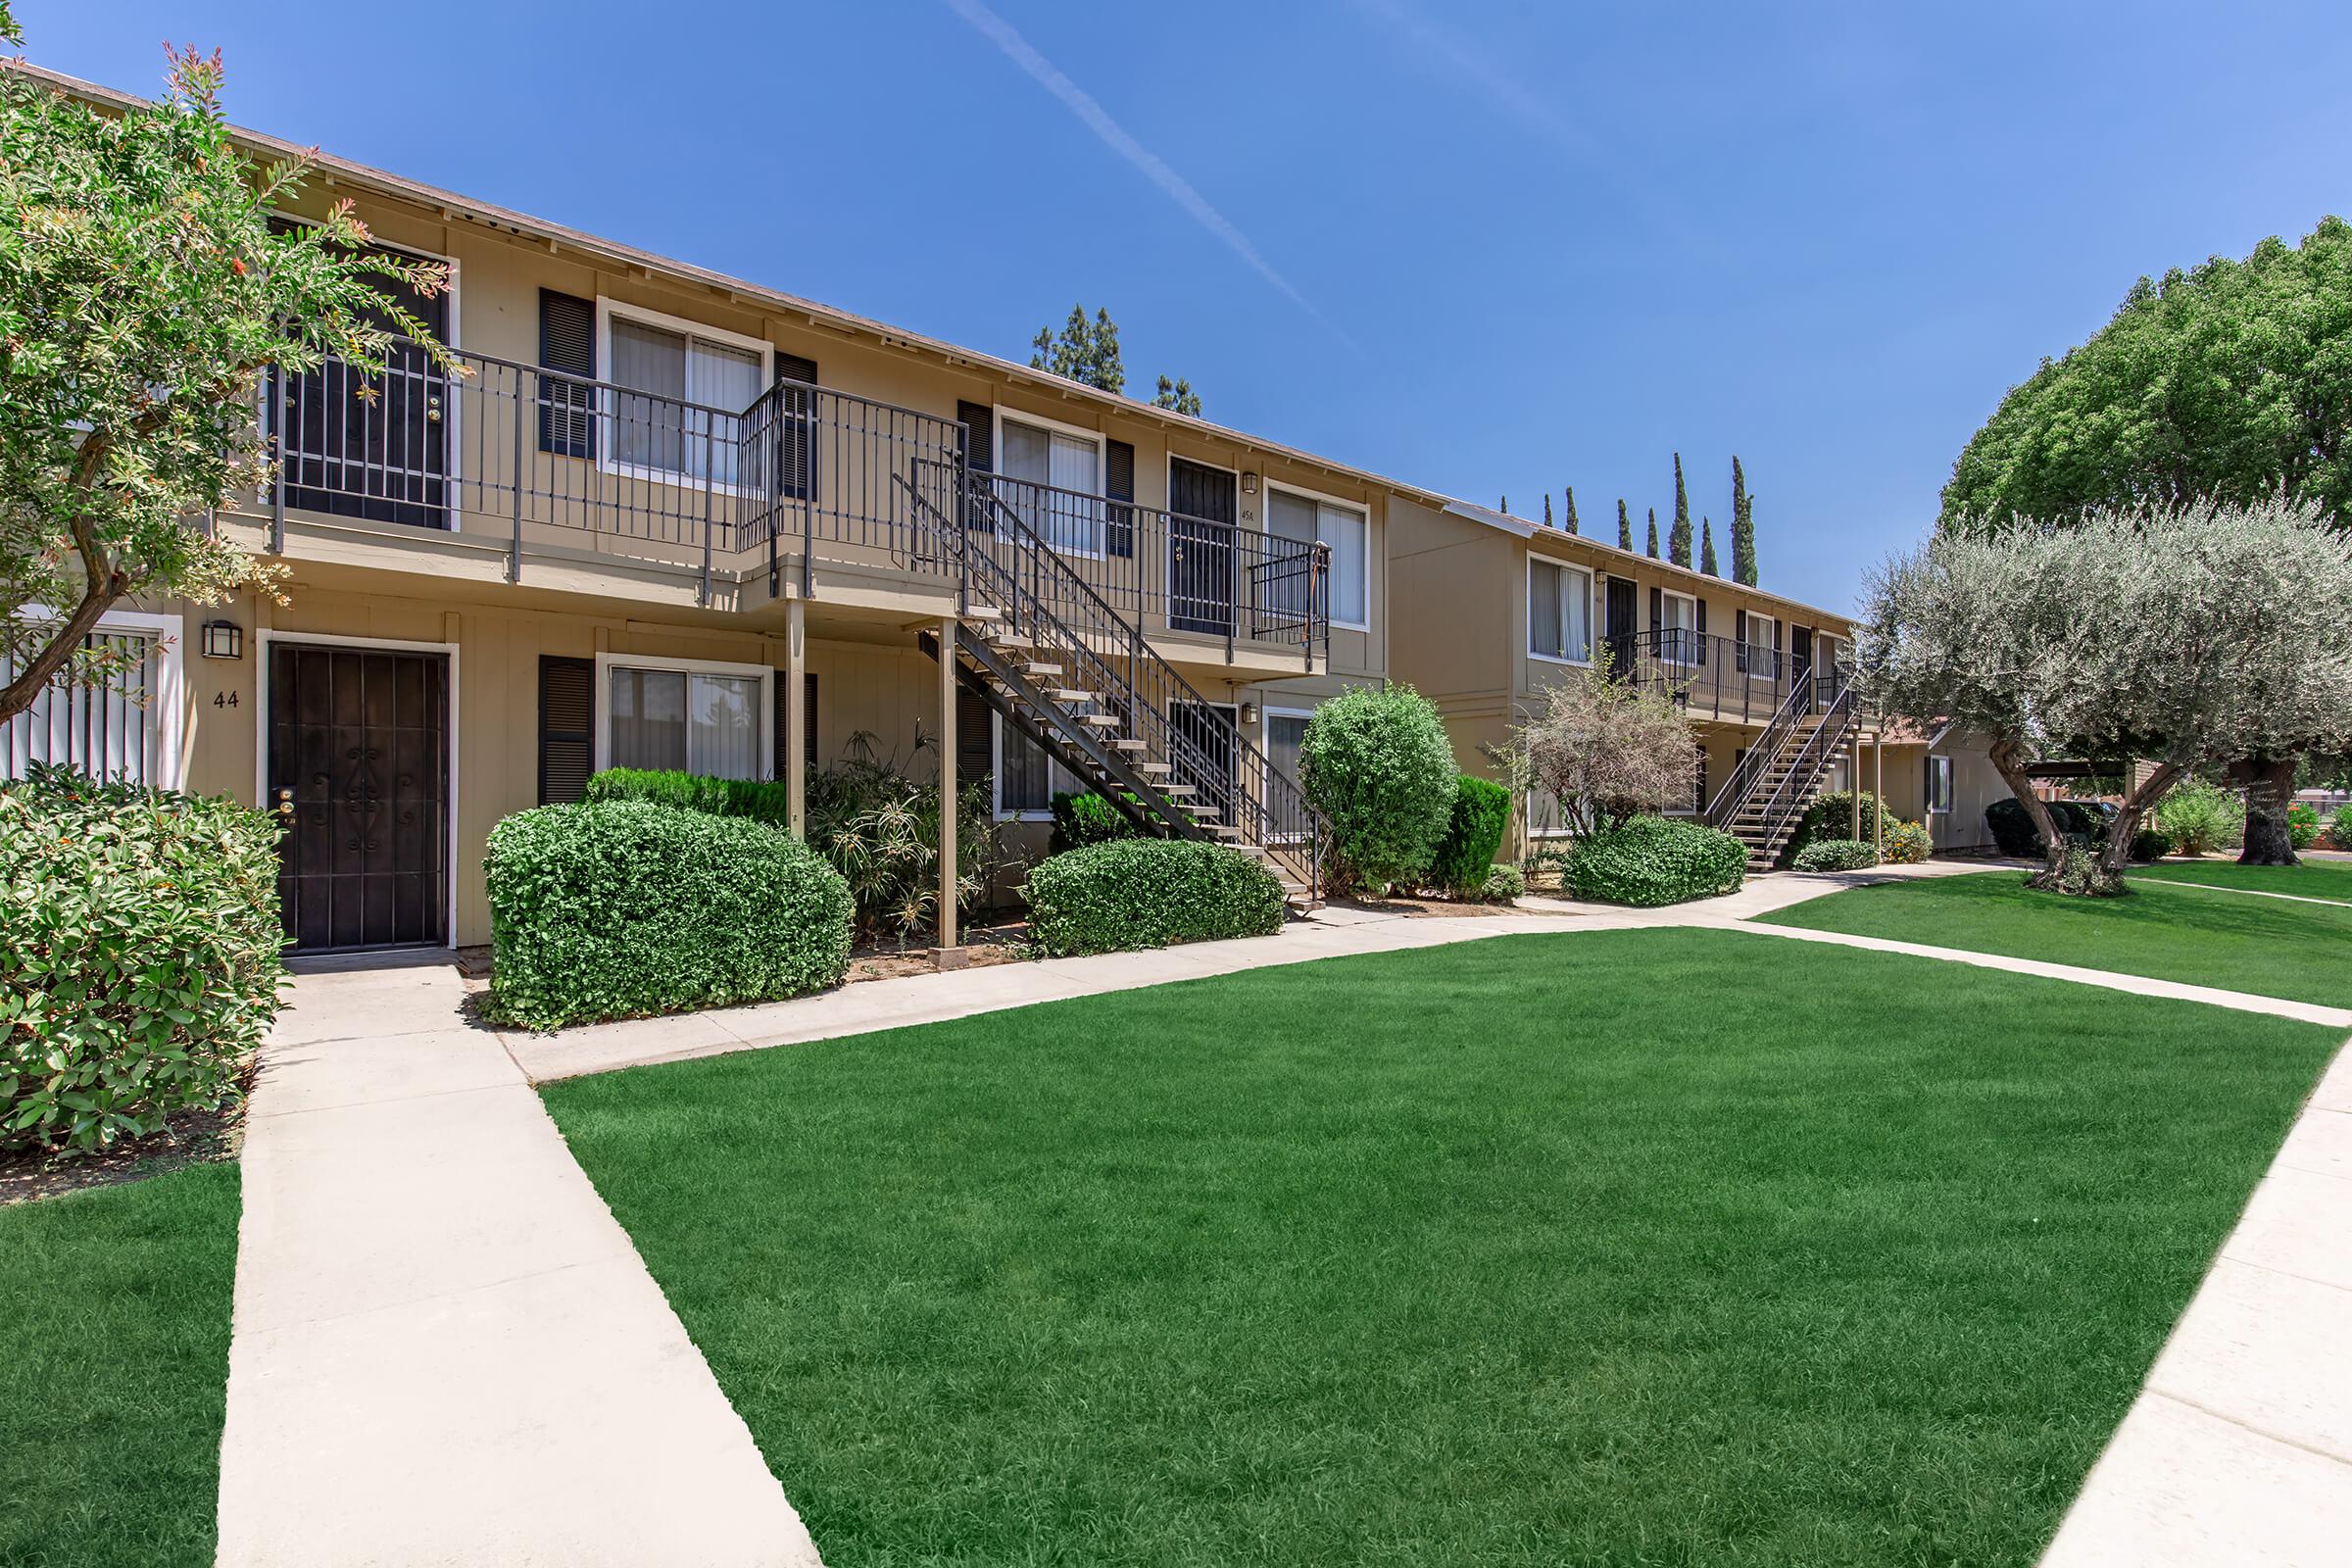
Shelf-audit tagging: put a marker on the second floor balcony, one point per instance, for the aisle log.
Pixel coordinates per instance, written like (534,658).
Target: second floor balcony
(1715,677)
(805,483)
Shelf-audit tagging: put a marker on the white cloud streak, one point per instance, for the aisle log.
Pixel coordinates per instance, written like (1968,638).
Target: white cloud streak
(1079,102)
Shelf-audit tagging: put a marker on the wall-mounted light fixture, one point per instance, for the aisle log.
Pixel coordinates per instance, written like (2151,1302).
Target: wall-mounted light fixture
(1248,484)
(1248,712)
(223,639)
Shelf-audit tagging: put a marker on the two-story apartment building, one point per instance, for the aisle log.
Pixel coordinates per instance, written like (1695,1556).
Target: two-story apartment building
(661,518)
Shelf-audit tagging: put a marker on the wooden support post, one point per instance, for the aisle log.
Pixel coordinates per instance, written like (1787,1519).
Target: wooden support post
(1878,789)
(795,719)
(1853,780)
(950,956)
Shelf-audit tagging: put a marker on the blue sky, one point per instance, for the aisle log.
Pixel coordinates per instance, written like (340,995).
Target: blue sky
(1499,249)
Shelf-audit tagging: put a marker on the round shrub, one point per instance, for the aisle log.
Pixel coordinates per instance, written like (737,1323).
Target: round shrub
(1482,810)
(2302,824)
(1378,766)
(1832,816)
(1503,883)
(139,944)
(1907,843)
(617,909)
(2339,827)
(2151,844)
(1147,893)
(2200,817)
(1837,854)
(1651,860)
(2013,830)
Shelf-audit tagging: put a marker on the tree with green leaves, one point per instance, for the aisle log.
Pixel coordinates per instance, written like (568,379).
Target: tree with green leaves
(1178,396)
(1504,507)
(1744,530)
(1547,522)
(1678,541)
(142,295)
(1625,526)
(1568,521)
(1086,351)
(2227,382)
(1706,547)
(1653,533)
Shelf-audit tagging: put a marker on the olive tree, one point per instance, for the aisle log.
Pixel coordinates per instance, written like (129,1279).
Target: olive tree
(1608,749)
(2179,634)
(143,291)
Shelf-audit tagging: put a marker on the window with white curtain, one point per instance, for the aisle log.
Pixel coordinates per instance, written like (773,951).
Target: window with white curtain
(1940,783)
(1559,612)
(1054,480)
(667,431)
(1763,645)
(112,730)
(1027,778)
(1678,629)
(1309,519)
(695,721)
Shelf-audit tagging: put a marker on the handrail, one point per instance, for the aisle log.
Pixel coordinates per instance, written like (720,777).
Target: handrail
(1751,768)
(1795,789)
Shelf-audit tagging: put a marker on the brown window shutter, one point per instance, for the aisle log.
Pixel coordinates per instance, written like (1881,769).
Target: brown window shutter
(975,738)
(783,725)
(566,727)
(979,422)
(796,427)
(1657,609)
(567,348)
(1118,484)
(1739,638)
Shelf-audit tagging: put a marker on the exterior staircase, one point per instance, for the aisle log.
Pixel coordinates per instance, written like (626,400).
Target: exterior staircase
(1066,669)
(1783,772)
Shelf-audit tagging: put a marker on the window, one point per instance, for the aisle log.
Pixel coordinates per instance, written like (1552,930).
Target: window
(1940,783)
(1027,778)
(1763,647)
(695,718)
(1296,516)
(1559,612)
(117,730)
(1678,629)
(1285,736)
(665,431)
(1054,479)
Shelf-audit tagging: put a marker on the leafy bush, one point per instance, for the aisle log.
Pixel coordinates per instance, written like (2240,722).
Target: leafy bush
(1651,860)
(139,944)
(1085,818)
(1147,893)
(1837,854)
(1379,767)
(616,909)
(2151,844)
(1606,748)
(1832,816)
(765,799)
(1482,812)
(2200,817)
(1908,844)
(1503,883)
(2339,828)
(2302,824)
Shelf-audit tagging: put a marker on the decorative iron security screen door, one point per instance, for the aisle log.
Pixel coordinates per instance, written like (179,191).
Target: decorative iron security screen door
(383,456)
(359,748)
(1204,504)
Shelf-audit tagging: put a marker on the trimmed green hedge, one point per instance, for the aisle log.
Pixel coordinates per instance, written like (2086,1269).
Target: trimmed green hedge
(1147,893)
(1651,860)
(617,909)
(764,800)
(139,943)
(1482,812)
(1837,854)
(1378,765)
(1832,816)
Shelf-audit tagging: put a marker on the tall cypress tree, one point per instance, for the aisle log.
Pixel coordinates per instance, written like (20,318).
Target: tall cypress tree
(1625,526)
(1569,522)
(1706,547)
(1548,508)
(1506,506)
(1678,542)
(1743,528)
(1653,533)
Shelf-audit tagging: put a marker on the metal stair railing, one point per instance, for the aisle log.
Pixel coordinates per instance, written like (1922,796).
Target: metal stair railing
(1756,765)
(1804,774)
(1002,564)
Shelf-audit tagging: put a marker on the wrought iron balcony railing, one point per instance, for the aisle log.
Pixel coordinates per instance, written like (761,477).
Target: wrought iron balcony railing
(1709,676)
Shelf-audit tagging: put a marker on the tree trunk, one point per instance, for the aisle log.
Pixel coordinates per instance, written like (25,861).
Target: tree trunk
(2116,852)
(2009,761)
(2270,790)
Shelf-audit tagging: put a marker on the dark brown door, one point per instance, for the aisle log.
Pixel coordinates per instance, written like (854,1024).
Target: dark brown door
(373,446)
(1800,651)
(1203,506)
(1618,609)
(359,748)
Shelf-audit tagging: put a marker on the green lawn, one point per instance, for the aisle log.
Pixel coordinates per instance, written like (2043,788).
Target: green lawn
(2271,946)
(112,1387)
(1613,1247)
(2313,879)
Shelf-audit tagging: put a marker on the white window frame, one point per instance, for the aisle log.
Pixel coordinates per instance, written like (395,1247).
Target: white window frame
(261,641)
(1691,626)
(765,713)
(1939,769)
(1528,600)
(607,307)
(1268,712)
(167,701)
(1102,443)
(1363,513)
(1055,774)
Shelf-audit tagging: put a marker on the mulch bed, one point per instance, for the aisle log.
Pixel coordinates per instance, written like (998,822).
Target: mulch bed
(194,1138)
(1441,908)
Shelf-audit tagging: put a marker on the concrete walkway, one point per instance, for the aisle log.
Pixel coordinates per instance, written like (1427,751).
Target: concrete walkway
(445,1350)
